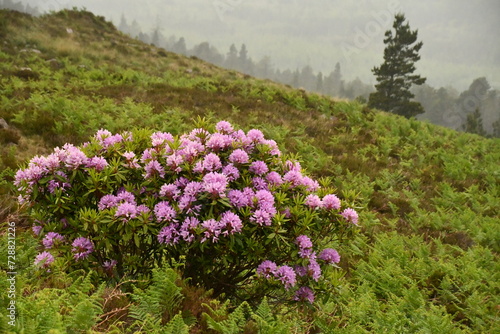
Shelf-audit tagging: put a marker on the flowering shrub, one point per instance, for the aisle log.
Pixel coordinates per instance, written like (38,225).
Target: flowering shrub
(225,203)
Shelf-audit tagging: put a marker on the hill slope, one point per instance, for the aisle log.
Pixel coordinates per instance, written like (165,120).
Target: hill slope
(426,258)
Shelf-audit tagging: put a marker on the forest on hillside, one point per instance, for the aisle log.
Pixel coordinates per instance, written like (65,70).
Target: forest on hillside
(475,110)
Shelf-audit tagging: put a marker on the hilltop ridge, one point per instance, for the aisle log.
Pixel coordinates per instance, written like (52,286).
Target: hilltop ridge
(65,75)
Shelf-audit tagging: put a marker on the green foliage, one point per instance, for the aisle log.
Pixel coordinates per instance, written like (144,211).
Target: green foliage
(267,322)
(160,301)
(243,319)
(234,322)
(72,309)
(176,326)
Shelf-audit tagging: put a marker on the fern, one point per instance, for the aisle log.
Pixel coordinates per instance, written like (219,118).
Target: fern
(176,326)
(162,298)
(84,314)
(74,309)
(266,321)
(235,321)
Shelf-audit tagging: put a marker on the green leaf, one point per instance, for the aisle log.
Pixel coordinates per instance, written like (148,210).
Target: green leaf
(136,240)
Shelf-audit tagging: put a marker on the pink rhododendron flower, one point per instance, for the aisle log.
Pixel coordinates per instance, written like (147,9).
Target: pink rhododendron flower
(239,156)
(331,202)
(215,184)
(287,276)
(313,201)
(350,215)
(52,238)
(304,294)
(44,259)
(267,269)
(329,255)
(82,248)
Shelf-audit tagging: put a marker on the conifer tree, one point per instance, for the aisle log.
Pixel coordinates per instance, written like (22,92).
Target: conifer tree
(474,123)
(395,76)
(231,61)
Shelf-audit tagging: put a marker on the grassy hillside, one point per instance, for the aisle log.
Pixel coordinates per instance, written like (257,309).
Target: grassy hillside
(426,258)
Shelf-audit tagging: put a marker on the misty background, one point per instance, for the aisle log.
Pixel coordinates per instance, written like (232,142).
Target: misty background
(328,46)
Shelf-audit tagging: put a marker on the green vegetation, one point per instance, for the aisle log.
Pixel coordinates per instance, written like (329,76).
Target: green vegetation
(426,258)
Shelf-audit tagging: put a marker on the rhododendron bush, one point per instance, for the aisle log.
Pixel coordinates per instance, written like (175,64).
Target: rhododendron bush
(226,204)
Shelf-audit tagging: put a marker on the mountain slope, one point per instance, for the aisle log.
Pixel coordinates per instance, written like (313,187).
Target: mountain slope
(428,197)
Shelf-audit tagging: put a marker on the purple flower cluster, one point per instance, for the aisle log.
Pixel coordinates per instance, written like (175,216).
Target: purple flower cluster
(132,161)
(311,270)
(305,246)
(210,229)
(350,215)
(69,157)
(164,212)
(267,269)
(125,204)
(239,156)
(296,179)
(37,229)
(109,264)
(329,255)
(329,202)
(82,248)
(98,163)
(229,223)
(44,259)
(107,139)
(285,274)
(258,167)
(154,168)
(304,294)
(59,182)
(215,184)
(51,239)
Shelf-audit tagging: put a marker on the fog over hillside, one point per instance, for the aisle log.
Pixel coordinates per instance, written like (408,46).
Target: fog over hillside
(460,37)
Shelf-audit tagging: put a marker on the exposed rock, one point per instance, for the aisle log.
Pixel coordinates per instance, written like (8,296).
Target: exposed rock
(69,30)
(54,64)
(26,73)
(3,124)
(31,50)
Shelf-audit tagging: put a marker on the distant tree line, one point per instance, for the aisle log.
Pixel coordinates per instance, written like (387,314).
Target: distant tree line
(237,58)
(475,110)
(19,6)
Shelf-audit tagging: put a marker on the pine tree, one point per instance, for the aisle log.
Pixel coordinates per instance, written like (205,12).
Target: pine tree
(123,26)
(395,76)
(155,38)
(231,61)
(244,64)
(496,129)
(474,123)
(180,46)
(319,83)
